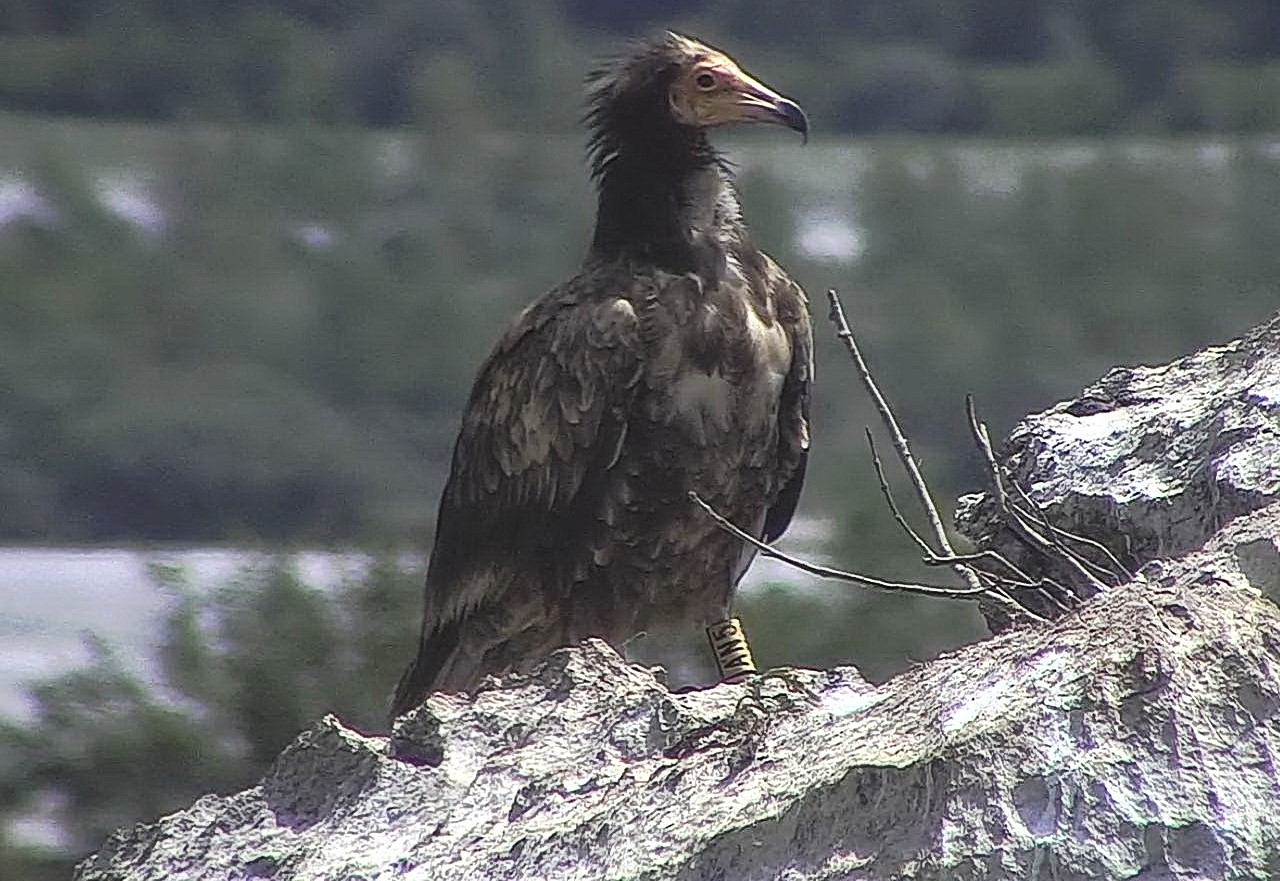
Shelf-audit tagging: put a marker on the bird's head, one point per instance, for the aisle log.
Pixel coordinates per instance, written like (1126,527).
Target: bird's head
(708,89)
(679,85)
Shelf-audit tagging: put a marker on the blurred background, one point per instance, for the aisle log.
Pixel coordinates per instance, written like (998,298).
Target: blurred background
(252,252)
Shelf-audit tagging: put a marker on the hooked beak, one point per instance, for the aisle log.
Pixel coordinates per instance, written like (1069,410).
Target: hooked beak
(759,103)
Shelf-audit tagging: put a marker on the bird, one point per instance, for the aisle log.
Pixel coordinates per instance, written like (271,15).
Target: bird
(677,360)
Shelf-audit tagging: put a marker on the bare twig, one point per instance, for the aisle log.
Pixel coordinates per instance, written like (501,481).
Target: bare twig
(982,440)
(893,505)
(896,436)
(1016,579)
(1059,535)
(1037,515)
(827,571)
(995,595)
(1018,521)
(1032,514)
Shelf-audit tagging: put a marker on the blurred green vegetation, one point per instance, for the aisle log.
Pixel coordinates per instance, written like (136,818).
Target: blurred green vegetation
(1003,66)
(209,333)
(243,669)
(228,334)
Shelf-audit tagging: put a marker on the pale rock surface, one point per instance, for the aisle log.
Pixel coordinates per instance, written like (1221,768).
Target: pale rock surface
(1135,738)
(1152,461)
(1138,739)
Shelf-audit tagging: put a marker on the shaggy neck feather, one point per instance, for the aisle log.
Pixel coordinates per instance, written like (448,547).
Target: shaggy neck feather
(665,196)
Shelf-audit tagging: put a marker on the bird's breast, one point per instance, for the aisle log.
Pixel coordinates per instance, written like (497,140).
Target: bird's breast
(702,401)
(718,369)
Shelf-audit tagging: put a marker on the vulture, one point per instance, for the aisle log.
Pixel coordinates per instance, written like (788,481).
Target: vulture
(678,359)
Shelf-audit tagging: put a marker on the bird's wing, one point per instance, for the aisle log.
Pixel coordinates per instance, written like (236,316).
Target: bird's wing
(793,410)
(545,421)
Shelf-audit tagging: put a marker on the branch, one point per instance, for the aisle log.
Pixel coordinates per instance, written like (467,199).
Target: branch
(827,571)
(893,505)
(1020,580)
(993,596)
(1019,522)
(1058,534)
(890,422)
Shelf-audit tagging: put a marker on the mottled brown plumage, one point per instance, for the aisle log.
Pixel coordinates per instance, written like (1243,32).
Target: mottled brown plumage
(678,358)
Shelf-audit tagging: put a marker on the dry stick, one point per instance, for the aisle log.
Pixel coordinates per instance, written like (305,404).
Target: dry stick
(995,596)
(1015,580)
(1051,589)
(1052,534)
(890,421)
(931,558)
(1020,579)
(934,590)
(1021,521)
(1119,571)
(1021,528)
(982,440)
(893,505)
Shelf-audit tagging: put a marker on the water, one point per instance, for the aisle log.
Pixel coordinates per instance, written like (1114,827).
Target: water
(50,598)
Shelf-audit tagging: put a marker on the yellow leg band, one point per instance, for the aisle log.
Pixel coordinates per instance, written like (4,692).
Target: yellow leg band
(729,644)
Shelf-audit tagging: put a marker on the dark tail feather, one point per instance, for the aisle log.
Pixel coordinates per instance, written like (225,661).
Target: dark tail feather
(778,518)
(419,677)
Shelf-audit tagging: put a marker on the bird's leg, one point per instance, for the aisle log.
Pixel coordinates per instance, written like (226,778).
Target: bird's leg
(732,653)
(733,659)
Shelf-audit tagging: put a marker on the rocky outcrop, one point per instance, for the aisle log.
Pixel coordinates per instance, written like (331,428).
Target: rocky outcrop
(1151,461)
(1134,738)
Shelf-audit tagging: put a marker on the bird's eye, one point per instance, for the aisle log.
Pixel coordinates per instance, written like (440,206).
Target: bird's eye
(705,81)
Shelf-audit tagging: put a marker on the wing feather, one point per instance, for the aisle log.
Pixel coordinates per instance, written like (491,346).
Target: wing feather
(793,410)
(546,411)
(544,423)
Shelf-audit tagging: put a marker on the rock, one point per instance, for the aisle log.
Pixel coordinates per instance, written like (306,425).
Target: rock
(1136,737)
(1151,461)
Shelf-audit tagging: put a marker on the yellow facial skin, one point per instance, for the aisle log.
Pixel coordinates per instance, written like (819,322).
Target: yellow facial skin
(711,90)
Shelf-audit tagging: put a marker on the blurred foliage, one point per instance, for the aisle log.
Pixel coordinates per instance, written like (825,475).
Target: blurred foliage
(1040,269)
(241,671)
(210,333)
(876,65)
(214,333)
(1082,95)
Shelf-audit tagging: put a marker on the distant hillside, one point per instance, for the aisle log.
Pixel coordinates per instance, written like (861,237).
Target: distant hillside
(242,333)
(1031,67)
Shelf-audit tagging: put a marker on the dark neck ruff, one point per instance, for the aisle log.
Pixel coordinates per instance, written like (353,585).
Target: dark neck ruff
(646,176)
